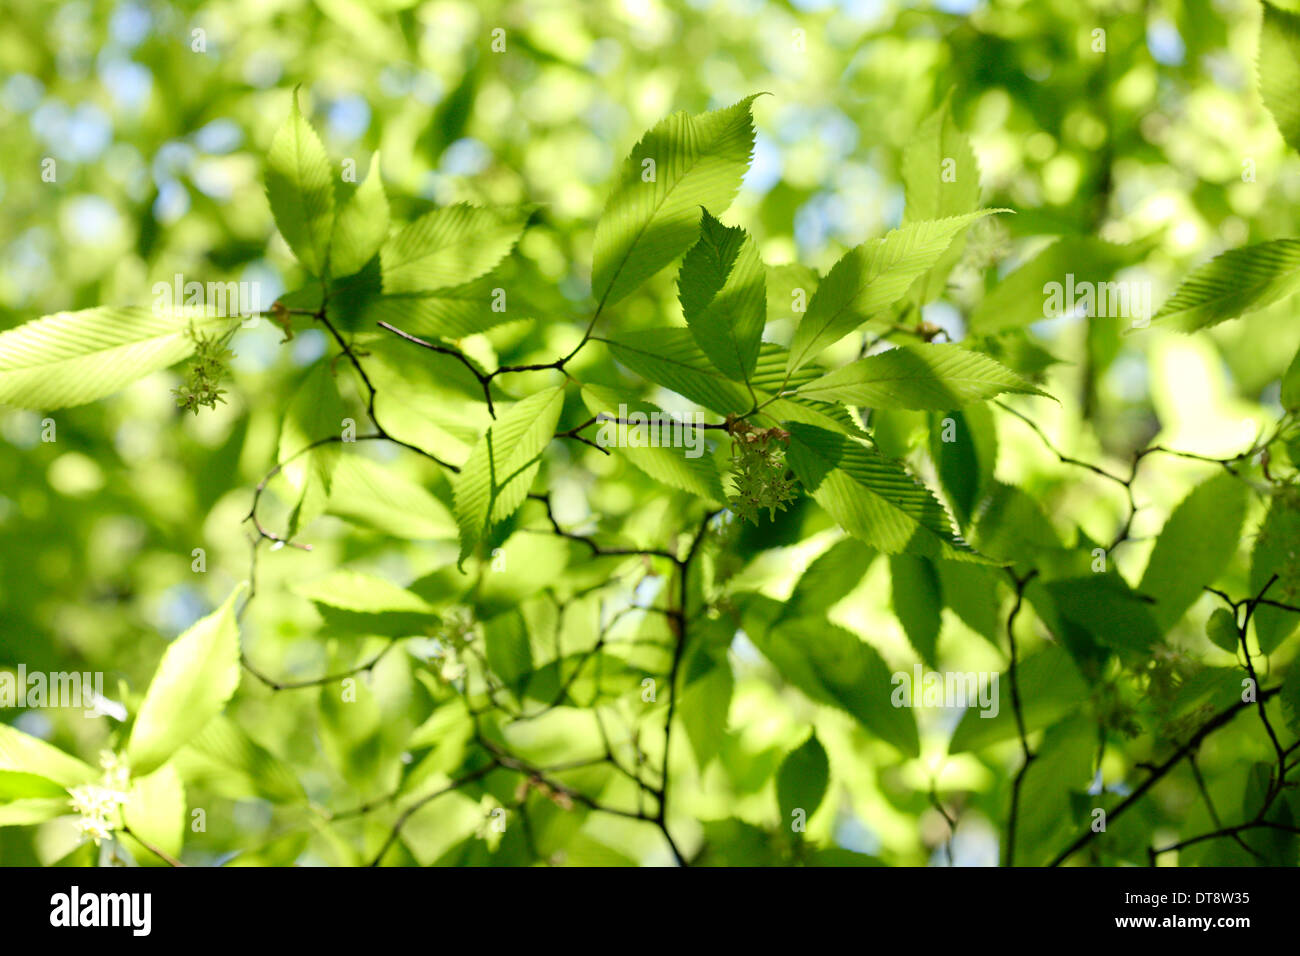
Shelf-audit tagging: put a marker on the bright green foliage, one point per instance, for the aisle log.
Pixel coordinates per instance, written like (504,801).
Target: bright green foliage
(1233,284)
(867,279)
(941,179)
(360,226)
(676,467)
(1198,541)
(918,602)
(652,215)
(755,494)
(195,678)
(922,377)
(20,753)
(1277,552)
(315,412)
(71,358)
(300,188)
(1290,394)
(1279,69)
(447,247)
(872,497)
(723,296)
(502,466)
(1221,628)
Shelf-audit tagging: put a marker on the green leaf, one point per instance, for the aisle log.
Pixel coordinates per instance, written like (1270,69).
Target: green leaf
(724,297)
(1279,70)
(964,449)
(705,705)
(155,810)
(198,673)
(84,855)
(25,812)
(71,358)
(672,358)
(316,411)
(933,377)
(1290,397)
(829,579)
(1050,687)
(18,785)
(450,247)
(918,602)
(689,162)
(364,594)
(495,480)
(508,649)
(1011,525)
(789,289)
(801,781)
(1232,284)
(676,467)
(361,225)
(1093,613)
(226,760)
(940,176)
(971,591)
(868,278)
(834,666)
(1195,546)
(300,188)
(940,179)
(22,753)
(1277,551)
(1018,351)
(425,398)
(872,497)
(1221,629)
(376,496)
(356,603)
(1290,695)
(1067,752)
(1022,297)
(508,293)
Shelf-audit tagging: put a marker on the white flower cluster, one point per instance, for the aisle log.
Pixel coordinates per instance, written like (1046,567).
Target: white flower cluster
(99,803)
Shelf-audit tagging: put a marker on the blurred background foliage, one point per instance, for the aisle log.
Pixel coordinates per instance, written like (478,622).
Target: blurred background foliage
(158,116)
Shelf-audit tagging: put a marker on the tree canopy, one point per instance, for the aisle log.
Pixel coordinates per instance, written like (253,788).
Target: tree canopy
(734,433)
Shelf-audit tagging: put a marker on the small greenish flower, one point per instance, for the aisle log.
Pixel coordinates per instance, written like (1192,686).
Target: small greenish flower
(99,804)
(209,367)
(758,478)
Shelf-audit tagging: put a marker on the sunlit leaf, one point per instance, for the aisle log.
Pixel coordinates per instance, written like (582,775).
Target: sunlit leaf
(723,296)
(495,479)
(1232,284)
(198,673)
(300,187)
(868,278)
(71,358)
(652,215)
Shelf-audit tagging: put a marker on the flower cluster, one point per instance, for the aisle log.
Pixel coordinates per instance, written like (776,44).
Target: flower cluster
(758,477)
(210,358)
(453,636)
(99,803)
